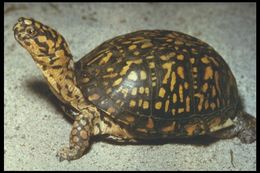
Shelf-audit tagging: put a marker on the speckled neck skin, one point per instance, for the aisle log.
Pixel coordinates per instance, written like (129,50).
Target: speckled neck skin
(50,52)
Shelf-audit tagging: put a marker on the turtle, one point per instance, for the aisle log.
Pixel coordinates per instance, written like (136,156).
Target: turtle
(139,86)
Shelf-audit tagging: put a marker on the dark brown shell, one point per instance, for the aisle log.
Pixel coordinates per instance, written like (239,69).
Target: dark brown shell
(160,83)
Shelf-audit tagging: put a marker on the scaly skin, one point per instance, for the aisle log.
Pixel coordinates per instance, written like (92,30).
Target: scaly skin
(50,52)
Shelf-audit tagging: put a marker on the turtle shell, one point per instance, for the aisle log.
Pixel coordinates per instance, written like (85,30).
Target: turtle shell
(160,83)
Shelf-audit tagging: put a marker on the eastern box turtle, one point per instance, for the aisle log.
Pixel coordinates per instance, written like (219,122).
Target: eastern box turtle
(148,84)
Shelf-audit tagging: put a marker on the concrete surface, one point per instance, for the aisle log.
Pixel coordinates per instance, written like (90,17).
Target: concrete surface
(34,126)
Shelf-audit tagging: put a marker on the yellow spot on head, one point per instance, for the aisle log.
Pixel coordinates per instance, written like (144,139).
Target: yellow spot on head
(59,53)
(50,45)
(42,38)
(158,105)
(162,92)
(37,25)
(58,41)
(27,22)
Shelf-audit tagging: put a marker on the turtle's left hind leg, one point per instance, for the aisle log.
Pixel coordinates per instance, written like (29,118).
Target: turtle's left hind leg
(247,124)
(79,139)
(244,128)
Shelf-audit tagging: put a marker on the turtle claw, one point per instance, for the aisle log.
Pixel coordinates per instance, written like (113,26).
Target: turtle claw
(69,153)
(66,153)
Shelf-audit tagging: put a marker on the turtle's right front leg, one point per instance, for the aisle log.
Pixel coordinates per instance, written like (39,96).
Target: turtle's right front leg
(79,139)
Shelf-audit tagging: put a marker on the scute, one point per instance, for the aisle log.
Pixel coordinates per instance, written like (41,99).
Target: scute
(161,83)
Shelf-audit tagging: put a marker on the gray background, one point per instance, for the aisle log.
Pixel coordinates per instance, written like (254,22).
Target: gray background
(34,126)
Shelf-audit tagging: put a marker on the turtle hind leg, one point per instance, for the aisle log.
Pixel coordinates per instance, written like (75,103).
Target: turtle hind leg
(79,139)
(244,128)
(247,125)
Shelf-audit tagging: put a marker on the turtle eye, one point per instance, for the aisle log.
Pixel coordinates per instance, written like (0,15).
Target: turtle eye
(31,31)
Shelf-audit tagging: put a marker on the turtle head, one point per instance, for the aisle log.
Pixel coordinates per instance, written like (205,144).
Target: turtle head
(44,43)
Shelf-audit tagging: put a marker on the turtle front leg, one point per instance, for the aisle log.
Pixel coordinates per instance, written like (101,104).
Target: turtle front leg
(79,139)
